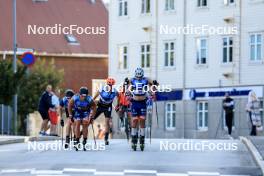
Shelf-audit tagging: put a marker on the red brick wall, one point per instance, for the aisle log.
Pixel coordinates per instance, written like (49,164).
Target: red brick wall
(80,71)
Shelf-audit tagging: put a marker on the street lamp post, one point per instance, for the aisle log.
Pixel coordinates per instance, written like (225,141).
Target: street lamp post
(14,64)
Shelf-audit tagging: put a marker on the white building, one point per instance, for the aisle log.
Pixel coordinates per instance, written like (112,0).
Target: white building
(143,33)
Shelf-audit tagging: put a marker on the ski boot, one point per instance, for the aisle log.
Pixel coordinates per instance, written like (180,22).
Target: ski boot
(84,143)
(106,139)
(142,143)
(77,144)
(134,143)
(67,142)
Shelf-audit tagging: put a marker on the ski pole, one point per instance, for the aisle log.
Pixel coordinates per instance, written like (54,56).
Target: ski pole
(93,135)
(62,125)
(157,116)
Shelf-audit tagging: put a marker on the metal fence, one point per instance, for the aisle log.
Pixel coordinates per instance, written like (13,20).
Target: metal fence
(6,120)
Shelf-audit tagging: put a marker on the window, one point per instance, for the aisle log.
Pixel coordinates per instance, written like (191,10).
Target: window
(122,57)
(145,6)
(145,55)
(169,5)
(202,115)
(169,54)
(122,8)
(202,3)
(229,2)
(71,39)
(201,57)
(227,49)
(170,116)
(255,47)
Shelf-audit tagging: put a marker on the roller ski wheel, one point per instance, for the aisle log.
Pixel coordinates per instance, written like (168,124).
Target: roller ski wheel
(77,147)
(142,147)
(66,145)
(134,147)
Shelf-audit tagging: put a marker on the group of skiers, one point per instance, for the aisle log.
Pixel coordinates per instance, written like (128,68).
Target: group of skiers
(82,109)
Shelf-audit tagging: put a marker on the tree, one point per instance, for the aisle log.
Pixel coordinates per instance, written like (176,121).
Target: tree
(38,77)
(9,82)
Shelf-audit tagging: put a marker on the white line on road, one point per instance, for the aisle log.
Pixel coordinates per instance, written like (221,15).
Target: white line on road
(78,170)
(53,175)
(204,173)
(46,172)
(15,170)
(140,171)
(109,173)
(171,174)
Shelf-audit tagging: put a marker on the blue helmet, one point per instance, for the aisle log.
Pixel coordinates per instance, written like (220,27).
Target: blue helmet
(139,73)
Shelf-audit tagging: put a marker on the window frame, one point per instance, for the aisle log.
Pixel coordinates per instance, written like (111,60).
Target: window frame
(122,8)
(121,57)
(255,45)
(170,52)
(145,7)
(168,5)
(228,47)
(200,2)
(228,3)
(199,51)
(145,53)
(169,114)
(203,111)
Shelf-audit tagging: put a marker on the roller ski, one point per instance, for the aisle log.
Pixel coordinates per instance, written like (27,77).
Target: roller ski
(134,143)
(142,143)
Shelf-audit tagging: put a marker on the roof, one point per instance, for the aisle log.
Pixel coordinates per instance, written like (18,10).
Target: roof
(82,13)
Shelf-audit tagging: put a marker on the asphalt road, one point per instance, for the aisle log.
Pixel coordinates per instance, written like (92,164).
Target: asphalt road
(119,159)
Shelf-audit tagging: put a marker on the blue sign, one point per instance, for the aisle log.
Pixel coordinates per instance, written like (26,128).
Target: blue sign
(167,96)
(28,58)
(193,94)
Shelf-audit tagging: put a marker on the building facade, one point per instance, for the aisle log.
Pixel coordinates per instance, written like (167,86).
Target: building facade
(165,38)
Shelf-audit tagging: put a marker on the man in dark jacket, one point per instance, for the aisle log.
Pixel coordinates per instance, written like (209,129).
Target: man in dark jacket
(228,105)
(44,105)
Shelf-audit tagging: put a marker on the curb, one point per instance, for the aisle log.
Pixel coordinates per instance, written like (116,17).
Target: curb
(254,152)
(27,139)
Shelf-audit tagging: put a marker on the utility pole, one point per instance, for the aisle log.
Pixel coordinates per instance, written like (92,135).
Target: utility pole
(14,65)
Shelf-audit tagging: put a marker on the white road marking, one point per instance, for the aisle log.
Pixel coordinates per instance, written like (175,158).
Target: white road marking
(109,173)
(204,173)
(235,175)
(93,171)
(140,171)
(53,175)
(78,170)
(15,170)
(46,172)
(171,174)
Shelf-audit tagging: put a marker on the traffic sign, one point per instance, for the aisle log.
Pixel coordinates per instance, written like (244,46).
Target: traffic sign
(28,58)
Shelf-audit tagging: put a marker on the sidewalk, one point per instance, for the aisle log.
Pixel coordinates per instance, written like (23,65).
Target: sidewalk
(258,142)
(256,147)
(20,139)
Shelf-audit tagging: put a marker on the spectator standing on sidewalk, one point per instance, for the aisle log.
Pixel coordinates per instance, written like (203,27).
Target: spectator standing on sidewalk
(43,108)
(228,105)
(253,109)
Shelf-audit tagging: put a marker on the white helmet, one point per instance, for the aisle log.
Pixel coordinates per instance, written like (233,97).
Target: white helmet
(139,73)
